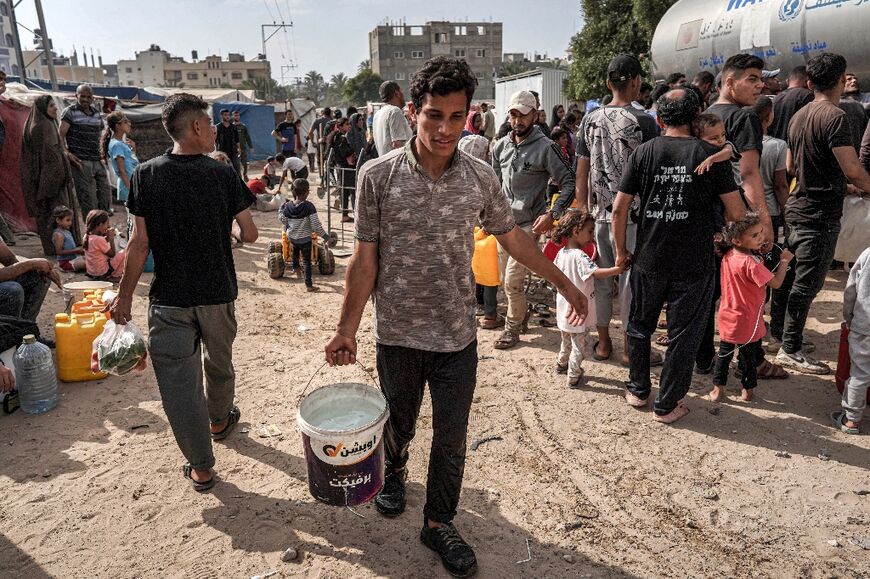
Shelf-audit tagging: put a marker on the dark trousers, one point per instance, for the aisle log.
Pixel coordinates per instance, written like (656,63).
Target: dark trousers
(451,376)
(707,349)
(487,296)
(23,296)
(305,250)
(749,356)
(813,247)
(689,298)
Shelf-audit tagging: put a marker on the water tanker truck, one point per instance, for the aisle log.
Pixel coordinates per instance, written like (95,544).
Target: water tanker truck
(697,35)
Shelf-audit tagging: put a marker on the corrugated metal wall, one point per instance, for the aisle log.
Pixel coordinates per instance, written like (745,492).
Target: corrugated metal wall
(546,82)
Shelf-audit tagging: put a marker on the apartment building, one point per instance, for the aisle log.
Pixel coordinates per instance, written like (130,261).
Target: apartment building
(156,67)
(397,50)
(8,59)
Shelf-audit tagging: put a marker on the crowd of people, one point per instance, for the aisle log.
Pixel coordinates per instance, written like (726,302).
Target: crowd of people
(707,200)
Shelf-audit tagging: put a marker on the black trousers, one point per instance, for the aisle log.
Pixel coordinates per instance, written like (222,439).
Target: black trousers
(689,298)
(707,350)
(305,251)
(749,356)
(452,377)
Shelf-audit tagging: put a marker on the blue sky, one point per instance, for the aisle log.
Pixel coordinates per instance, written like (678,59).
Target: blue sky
(329,36)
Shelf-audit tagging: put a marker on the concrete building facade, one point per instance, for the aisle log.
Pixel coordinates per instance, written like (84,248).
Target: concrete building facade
(66,68)
(398,50)
(156,67)
(8,59)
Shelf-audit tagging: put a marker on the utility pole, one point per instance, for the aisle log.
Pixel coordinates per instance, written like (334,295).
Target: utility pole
(22,71)
(277,28)
(46,45)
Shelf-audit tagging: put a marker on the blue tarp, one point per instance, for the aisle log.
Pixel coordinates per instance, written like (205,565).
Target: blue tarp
(128,93)
(260,120)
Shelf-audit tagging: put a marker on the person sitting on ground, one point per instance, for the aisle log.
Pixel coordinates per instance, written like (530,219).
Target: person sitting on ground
(300,220)
(577,229)
(270,169)
(294,166)
(23,285)
(744,280)
(102,260)
(856,314)
(69,252)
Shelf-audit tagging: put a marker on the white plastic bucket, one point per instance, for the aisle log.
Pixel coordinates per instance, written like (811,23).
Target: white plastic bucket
(342,429)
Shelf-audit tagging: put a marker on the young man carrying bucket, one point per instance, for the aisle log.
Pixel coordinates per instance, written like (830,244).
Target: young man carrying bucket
(424,195)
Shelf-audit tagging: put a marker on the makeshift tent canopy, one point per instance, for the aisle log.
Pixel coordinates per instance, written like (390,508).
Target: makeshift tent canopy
(260,122)
(303,109)
(209,95)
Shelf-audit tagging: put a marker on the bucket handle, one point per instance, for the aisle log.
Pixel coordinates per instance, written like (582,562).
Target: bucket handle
(322,366)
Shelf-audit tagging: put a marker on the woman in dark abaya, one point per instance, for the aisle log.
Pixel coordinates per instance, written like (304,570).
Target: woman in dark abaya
(45,173)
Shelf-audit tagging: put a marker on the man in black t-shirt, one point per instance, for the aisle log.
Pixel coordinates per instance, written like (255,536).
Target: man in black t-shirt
(227,140)
(183,204)
(673,260)
(823,160)
(790,101)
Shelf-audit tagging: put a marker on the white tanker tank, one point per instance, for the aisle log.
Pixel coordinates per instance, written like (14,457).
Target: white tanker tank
(699,35)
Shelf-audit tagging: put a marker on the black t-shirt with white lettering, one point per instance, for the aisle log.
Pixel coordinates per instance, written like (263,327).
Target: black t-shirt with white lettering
(675,231)
(188,203)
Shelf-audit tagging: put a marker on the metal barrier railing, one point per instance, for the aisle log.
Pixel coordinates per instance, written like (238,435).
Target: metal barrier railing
(338,181)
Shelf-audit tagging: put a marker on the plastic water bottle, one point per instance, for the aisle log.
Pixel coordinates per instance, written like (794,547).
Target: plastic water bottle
(35,376)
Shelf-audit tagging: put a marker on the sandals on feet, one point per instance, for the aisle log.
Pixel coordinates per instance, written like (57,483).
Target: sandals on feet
(839,419)
(662,340)
(233,417)
(769,371)
(508,339)
(199,487)
(492,323)
(598,356)
(674,415)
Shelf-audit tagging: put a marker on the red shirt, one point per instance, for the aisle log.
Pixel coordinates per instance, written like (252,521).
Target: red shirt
(744,279)
(256,186)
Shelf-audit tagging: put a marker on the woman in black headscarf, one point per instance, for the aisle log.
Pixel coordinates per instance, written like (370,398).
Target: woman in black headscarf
(45,173)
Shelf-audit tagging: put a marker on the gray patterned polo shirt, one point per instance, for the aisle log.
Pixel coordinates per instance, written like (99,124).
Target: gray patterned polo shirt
(424,295)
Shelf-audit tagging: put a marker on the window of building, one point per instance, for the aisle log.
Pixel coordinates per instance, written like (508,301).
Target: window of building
(440,38)
(416,31)
(416,54)
(399,54)
(459,53)
(192,76)
(4,10)
(481,53)
(478,75)
(237,76)
(9,40)
(128,69)
(400,76)
(461,30)
(481,30)
(15,70)
(129,83)
(398,31)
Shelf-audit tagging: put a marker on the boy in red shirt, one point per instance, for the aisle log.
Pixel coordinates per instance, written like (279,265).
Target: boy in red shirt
(741,309)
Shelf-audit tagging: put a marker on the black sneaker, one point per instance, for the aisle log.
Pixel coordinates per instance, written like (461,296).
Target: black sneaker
(390,502)
(456,555)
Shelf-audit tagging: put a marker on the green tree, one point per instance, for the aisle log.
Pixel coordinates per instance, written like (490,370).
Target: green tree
(610,29)
(314,86)
(335,92)
(363,65)
(363,87)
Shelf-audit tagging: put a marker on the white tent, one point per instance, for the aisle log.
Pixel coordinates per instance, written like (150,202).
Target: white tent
(209,95)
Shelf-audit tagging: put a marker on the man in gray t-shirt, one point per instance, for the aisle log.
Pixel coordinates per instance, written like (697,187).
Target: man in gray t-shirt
(390,128)
(415,216)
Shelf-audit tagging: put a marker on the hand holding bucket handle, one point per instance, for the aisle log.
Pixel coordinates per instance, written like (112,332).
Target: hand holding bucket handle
(322,366)
(340,350)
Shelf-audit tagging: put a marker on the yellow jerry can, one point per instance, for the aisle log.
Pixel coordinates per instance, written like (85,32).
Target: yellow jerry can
(74,335)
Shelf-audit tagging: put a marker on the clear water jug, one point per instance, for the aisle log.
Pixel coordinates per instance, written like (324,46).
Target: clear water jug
(35,376)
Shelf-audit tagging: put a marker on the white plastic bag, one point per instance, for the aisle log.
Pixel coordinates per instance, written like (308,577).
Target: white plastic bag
(854,229)
(119,349)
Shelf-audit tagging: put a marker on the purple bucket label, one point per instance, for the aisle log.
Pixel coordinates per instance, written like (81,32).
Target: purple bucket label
(340,484)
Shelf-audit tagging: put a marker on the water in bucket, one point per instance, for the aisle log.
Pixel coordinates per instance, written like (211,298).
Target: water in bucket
(342,429)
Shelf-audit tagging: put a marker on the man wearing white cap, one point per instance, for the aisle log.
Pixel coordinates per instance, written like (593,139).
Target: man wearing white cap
(525,160)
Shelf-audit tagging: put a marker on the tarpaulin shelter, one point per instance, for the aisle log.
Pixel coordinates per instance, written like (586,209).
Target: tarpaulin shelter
(260,120)
(303,109)
(209,95)
(14,109)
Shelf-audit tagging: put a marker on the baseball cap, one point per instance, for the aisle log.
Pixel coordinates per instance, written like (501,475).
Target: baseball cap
(522,101)
(623,67)
(766,74)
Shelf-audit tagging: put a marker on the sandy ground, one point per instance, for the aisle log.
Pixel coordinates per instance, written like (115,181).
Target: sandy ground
(592,487)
